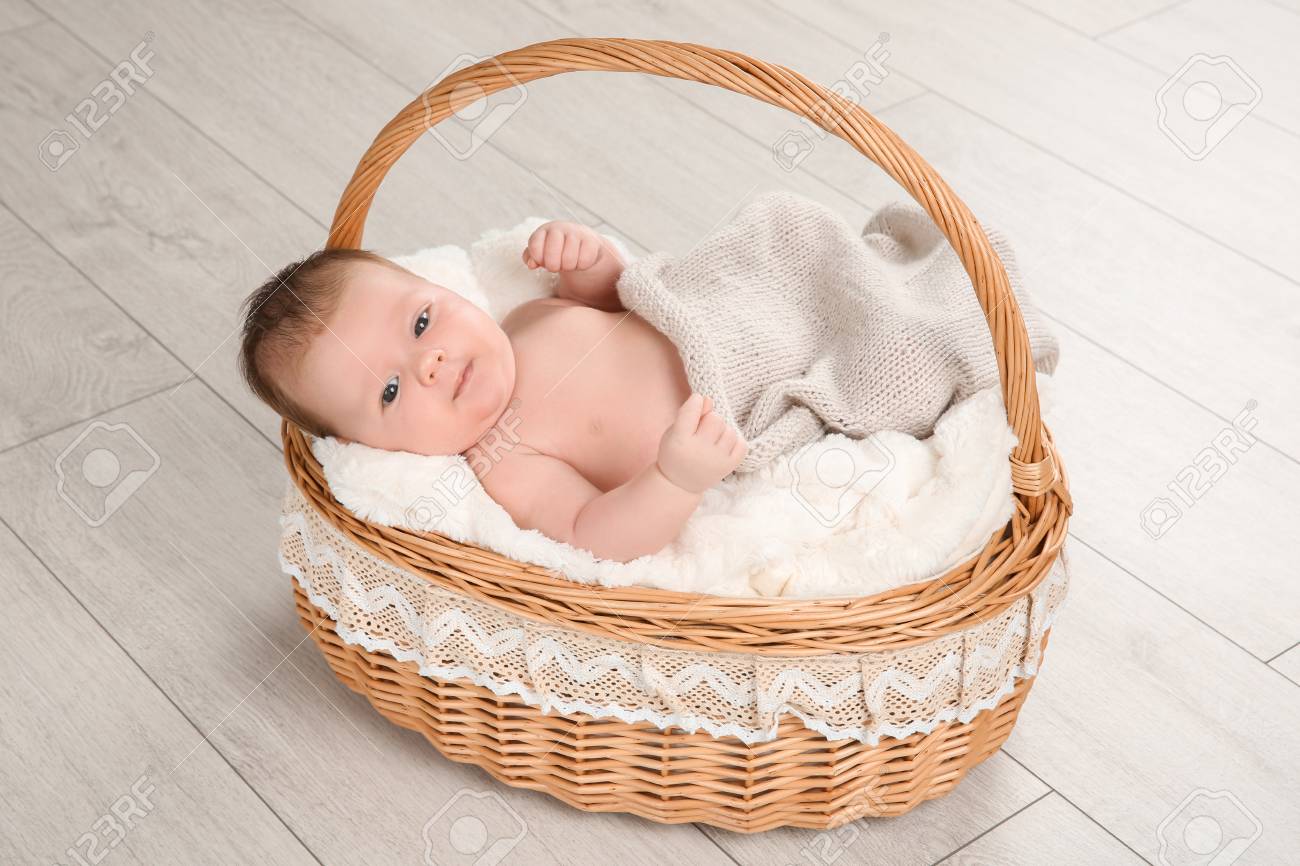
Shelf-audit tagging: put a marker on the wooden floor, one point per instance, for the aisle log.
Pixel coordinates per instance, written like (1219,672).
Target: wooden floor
(157,702)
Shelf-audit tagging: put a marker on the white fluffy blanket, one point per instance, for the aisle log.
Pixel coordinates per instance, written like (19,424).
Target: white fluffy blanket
(896,509)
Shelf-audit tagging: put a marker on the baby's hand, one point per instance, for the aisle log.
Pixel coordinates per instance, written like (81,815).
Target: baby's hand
(562,246)
(700,448)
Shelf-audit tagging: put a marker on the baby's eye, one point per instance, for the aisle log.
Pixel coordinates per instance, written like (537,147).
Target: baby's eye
(422,322)
(390,391)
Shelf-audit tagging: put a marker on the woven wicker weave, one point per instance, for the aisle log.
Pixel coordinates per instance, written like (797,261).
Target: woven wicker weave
(799,779)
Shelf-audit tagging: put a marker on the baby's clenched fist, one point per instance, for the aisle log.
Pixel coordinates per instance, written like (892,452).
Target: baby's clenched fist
(562,246)
(700,448)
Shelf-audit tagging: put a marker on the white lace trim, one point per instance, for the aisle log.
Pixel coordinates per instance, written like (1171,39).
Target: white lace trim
(863,696)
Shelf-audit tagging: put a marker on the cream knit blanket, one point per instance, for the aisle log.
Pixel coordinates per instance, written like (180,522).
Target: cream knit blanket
(797,326)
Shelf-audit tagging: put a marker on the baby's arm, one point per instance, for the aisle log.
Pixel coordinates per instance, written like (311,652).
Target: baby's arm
(588,264)
(639,517)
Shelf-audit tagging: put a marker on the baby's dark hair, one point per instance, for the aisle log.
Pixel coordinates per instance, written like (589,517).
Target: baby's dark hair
(281,318)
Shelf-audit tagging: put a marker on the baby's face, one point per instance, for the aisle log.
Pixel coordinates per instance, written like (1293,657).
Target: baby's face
(390,371)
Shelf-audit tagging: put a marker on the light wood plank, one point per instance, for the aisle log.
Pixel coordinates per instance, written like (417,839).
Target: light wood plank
(1099,16)
(1093,107)
(1139,706)
(1228,557)
(68,353)
(1049,831)
(1207,321)
(184,576)
(573,131)
(1256,34)
(17,13)
(287,101)
(992,791)
(772,36)
(147,208)
(1289,664)
(666,185)
(82,727)
(647,187)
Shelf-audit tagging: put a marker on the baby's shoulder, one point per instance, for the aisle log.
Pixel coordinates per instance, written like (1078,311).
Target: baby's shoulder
(534,311)
(531,485)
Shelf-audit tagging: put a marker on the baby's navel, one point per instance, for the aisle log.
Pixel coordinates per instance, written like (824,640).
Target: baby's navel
(595,427)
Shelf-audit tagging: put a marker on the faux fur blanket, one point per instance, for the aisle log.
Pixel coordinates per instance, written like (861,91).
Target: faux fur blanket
(796,326)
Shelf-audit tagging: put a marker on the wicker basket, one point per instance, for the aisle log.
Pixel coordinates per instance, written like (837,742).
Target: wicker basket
(796,777)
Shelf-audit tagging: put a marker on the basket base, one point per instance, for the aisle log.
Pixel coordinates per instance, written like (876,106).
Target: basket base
(799,779)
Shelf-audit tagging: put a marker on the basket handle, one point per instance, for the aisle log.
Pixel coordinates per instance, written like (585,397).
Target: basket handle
(1033,474)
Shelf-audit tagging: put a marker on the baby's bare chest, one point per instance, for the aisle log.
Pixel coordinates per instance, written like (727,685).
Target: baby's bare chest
(596,389)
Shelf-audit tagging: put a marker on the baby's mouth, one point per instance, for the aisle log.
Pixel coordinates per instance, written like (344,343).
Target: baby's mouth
(465,374)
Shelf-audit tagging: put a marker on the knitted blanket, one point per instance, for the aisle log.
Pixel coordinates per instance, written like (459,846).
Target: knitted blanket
(797,326)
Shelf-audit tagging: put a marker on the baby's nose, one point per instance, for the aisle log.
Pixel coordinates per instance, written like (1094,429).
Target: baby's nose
(430,363)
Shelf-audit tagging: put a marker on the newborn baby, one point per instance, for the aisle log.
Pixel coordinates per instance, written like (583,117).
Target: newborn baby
(604,445)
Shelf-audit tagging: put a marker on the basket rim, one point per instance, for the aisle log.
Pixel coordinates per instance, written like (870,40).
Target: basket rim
(1011,563)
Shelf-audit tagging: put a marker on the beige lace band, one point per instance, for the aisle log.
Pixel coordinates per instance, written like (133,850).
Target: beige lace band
(864,696)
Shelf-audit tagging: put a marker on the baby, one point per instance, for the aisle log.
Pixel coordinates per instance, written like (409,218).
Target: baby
(609,449)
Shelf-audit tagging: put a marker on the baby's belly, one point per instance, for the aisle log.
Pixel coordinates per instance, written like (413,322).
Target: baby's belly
(623,386)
